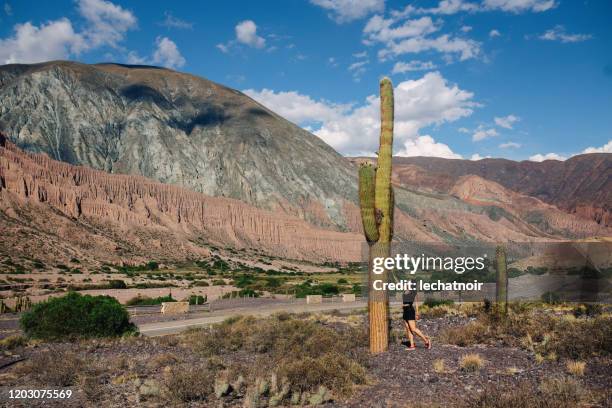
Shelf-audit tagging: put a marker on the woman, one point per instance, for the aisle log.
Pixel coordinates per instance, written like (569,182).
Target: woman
(411,315)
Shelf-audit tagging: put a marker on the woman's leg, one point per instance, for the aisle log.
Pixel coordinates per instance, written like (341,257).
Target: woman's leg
(409,334)
(414,330)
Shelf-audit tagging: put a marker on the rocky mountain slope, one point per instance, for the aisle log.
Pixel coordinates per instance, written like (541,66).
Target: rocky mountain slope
(175,128)
(581,185)
(222,169)
(53,210)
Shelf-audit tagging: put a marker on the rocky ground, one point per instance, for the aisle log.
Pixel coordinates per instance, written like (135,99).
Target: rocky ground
(144,371)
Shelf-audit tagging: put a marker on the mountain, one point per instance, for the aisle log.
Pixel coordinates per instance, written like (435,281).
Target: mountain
(175,128)
(55,211)
(581,185)
(119,163)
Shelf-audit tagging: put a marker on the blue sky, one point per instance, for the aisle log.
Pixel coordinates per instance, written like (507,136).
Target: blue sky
(474,78)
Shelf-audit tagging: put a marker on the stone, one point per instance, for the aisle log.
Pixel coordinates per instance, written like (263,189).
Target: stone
(175,307)
(348,297)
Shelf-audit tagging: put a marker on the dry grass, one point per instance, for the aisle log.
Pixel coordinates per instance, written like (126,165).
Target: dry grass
(552,393)
(189,383)
(471,362)
(575,368)
(305,352)
(12,342)
(438,366)
(537,331)
(58,368)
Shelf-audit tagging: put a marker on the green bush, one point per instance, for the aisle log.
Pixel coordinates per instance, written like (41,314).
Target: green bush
(147,301)
(197,299)
(117,284)
(430,302)
(75,315)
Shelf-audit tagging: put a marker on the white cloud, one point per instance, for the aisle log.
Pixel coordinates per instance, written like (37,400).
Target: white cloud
(223,47)
(171,21)
(481,133)
(29,44)
(607,148)
(427,146)
(362,54)
(106,25)
(548,156)
(134,58)
(402,67)
(108,22)
(445,44)
(354,130)
(8,10)
(519,6)
(167,53)
(506,121)
(510,145)
(343,11)
(477,156)
(378,29)
(448,7)
(558,33)
(401,36)
(466,28)
(298,108)
(494,33)
(246,33)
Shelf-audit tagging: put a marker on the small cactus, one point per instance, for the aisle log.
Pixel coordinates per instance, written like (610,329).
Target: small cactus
(502,279)
(222,388)
(262,385)
(321,396)
(295,398)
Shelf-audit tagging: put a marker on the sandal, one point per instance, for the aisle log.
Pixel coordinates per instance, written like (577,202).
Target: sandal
(428,344)
(413,347)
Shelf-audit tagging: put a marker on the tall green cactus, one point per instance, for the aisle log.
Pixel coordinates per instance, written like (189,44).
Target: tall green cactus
(377,201)
(502,279)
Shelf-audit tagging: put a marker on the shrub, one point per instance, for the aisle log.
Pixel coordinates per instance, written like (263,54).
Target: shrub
(188,383)
(197,299)
(147,301)
(588,310)
(75,315)
(12,342)
(552,393)
(575,368)
(471,362)
(55,368)
(116,284)
(430,302)
(438,366)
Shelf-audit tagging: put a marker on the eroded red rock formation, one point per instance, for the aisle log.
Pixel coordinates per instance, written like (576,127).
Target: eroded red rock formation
(84,195)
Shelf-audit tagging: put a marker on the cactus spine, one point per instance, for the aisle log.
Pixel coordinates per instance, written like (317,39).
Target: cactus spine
(376,203)
(502,279)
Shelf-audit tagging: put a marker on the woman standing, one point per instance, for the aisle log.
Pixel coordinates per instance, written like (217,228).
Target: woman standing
(410,316)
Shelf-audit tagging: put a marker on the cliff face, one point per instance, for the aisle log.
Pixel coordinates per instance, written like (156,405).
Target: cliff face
(46,205)
(178,129)
(581,185)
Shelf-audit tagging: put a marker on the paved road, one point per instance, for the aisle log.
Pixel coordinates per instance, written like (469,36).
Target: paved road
(177,326)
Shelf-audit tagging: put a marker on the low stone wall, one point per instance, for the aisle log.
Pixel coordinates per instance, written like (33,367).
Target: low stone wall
(348,297)
(311,299)
(175,307)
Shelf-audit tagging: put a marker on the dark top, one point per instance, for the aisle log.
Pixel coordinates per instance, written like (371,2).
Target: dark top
(408,297)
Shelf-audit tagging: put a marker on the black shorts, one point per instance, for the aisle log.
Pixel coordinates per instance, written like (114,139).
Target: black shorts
(409,313)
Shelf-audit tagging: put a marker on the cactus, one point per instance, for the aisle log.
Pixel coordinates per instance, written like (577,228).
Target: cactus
(222,388)
(320,397)
(376,200)
(502,279)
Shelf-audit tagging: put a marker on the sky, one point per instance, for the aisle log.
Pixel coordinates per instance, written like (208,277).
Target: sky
(519,79)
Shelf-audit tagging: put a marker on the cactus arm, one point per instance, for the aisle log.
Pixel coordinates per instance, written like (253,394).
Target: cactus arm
(367,175)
